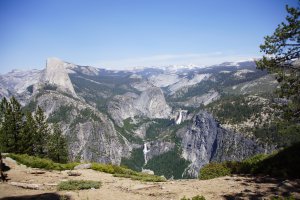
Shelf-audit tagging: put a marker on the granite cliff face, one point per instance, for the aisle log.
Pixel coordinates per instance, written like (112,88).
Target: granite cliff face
(204,141)
(109,115)
(91,135)
(150,103)
(56,74)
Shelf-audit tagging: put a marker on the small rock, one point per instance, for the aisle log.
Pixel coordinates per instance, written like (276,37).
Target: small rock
(148,171)
(37,172)
(84,166)
(26,185)
(73,173)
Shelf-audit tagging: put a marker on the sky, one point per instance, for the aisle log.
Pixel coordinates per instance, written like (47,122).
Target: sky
(122,34)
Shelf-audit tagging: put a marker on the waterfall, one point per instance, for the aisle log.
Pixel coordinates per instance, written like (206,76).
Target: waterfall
(145,151)
(178,121)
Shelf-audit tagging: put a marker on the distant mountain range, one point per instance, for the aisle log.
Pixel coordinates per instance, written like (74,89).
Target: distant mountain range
(142,117)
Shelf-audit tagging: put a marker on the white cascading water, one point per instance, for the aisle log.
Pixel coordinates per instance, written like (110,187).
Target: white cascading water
(145,151)
(178,121)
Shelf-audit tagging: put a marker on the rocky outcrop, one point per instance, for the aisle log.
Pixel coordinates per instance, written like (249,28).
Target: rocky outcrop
(91,135)
(204,141)
(151,103)
(20,84)
(158,147)
(204,99)
(56,73)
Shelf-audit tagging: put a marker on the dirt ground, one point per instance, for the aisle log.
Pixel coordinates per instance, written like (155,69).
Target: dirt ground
(113,188)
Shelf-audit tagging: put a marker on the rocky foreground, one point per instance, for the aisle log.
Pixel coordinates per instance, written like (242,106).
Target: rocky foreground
(29,183)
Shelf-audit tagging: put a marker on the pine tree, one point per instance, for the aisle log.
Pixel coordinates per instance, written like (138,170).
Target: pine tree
(27,139)
(42,133)
(57,146)
(282,51)
(11,125)
(4,106)
(16,124)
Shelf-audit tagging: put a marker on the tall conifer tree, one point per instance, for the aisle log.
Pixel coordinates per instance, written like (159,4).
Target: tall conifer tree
(57,146)
(16,124)
(42,133)
(27,139)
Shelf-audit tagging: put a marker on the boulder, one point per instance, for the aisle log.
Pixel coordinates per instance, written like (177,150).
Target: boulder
(84,166)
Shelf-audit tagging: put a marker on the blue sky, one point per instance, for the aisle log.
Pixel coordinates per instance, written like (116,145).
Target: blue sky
(126,33)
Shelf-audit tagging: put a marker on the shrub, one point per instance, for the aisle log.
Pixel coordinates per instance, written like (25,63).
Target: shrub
(78,185)
(142,177)
(198,197)
(41,163)
(284,164)
(281,164)
(247,166)
(103,168)
(118,171)
(283,198)
(213,170)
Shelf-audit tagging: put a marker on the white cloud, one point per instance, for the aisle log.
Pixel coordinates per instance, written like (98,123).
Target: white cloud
(174,59)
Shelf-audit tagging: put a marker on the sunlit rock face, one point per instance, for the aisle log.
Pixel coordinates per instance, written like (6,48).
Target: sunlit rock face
(204,141)
(56,74)
(150,103)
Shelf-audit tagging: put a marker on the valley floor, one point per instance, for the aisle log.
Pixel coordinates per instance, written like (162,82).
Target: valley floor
(113,188)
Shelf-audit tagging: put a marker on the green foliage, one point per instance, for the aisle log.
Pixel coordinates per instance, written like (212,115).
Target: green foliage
(213,170)
(136,160)
(282,164)
(285,163)
(85,115)
(168,164)
(62,114)
(42,163)
(157,127)
(48,164)
(88,113)
(237,109)
(30,107)
(247,166)
(103,168)
(129,125)
(28,133)
(281,49)
(127,131)
(234,109)
(78,185)
(11,125)
(198,197)
(42,133)
(57,146)
(281,133)
(284,198)
(142,177)
(126,173)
